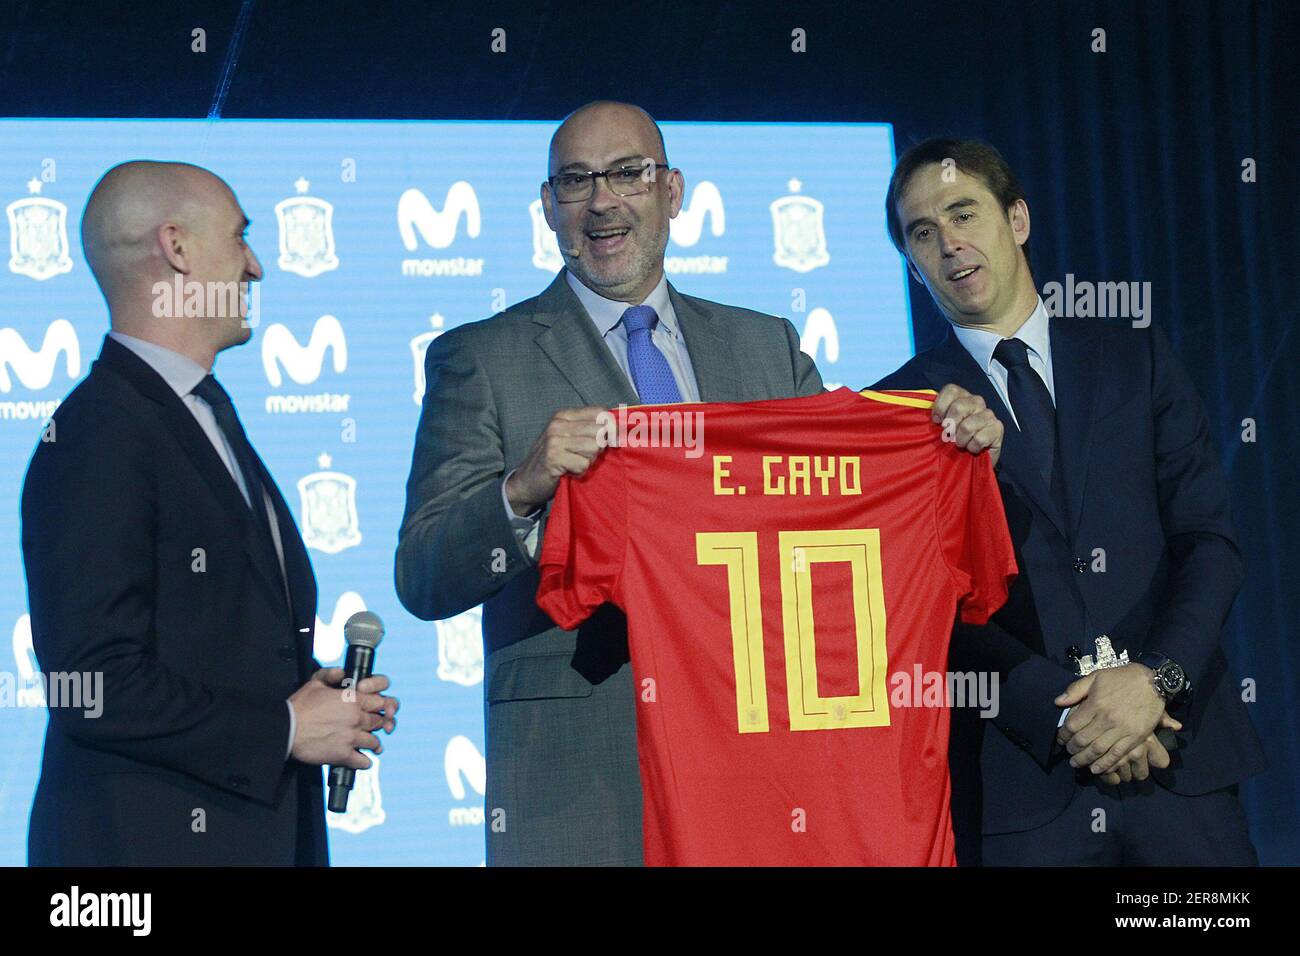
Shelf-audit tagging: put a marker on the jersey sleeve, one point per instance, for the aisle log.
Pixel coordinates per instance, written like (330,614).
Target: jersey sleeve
(584,542)
(973,532)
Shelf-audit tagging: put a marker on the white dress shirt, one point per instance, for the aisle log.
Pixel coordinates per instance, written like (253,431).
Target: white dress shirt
(183,374)
(1035,333)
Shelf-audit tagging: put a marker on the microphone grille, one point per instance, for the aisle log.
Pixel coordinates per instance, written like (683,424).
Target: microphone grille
(364,628)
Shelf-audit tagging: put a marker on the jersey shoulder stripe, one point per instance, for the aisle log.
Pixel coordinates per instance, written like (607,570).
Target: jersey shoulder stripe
(914,398)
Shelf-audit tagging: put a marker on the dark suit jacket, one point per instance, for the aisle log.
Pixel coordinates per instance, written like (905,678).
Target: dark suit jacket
(1142,482)
(562,779)
(197,658)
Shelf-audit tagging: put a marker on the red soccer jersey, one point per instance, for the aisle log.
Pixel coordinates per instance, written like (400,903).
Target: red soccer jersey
(786,577)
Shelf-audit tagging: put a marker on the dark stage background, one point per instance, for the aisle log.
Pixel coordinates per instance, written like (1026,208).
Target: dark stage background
(1132,160)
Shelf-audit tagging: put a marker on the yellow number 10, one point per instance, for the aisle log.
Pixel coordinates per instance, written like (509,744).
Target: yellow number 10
(737,551)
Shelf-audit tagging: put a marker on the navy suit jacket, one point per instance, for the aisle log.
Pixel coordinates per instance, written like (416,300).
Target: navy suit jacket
(1142,484)
(197,661)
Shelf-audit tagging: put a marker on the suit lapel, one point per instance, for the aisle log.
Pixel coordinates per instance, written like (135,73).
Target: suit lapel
(1076,361)
(180,422)
(952,363)
(711,355)
(570,341)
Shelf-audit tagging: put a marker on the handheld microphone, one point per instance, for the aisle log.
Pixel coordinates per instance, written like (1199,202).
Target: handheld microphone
(363,632)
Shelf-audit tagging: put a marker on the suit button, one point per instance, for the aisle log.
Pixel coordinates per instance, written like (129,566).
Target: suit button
(287,652)
(1080,565)
(239,782)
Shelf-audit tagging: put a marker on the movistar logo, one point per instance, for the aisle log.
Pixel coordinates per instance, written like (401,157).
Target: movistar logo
(705,200)
(35,369)
(438,229)
(303,363)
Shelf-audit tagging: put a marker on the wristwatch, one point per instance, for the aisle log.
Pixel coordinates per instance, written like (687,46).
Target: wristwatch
(1170,679)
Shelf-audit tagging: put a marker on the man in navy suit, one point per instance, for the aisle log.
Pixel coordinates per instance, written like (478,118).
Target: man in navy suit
(163,562)
(1119,512)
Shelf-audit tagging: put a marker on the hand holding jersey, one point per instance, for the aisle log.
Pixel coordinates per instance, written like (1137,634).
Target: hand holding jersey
(567,446)
(971,423)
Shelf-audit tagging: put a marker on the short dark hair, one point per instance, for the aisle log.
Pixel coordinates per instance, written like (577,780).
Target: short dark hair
(973,157)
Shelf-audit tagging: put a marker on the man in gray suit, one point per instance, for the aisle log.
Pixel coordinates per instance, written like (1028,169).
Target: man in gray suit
(511,406)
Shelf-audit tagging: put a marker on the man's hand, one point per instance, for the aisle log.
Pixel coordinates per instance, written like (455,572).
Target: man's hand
(1137,763)
(970,422)
(1114,710)
(567,446)
(334,723)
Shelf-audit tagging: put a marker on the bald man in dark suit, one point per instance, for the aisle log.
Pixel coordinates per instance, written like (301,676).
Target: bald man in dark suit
(162,559)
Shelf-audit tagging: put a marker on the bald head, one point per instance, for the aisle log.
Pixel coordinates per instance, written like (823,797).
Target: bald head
(606,119)
(166,244)
(613,241)
(119,229)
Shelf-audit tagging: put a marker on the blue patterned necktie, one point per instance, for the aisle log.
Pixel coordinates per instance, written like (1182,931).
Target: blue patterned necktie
(651,374)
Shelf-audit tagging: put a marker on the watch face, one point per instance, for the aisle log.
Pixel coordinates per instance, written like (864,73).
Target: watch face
(1171,677)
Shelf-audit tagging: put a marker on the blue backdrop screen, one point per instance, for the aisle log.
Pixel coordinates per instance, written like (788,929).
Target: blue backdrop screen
(374,237)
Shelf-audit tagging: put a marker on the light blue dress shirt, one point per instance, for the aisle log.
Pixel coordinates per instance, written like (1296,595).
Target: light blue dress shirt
(607,316)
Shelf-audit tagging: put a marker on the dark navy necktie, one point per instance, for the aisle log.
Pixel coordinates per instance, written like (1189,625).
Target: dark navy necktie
(1032,404)
(223,410)
(651,374)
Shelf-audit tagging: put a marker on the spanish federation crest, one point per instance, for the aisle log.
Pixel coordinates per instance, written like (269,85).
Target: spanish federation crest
(365,804)
(306,233)
(38,235)
(798,231)
(460,648)
(329,509)
(1106,657)
(546,250)
(419,345)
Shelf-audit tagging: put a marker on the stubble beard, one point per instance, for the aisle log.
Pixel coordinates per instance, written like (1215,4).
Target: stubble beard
(645,260)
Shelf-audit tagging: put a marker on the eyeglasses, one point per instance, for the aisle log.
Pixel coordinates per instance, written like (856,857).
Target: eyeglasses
(623,181)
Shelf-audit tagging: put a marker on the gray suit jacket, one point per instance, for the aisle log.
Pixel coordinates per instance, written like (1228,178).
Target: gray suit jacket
(563,786)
